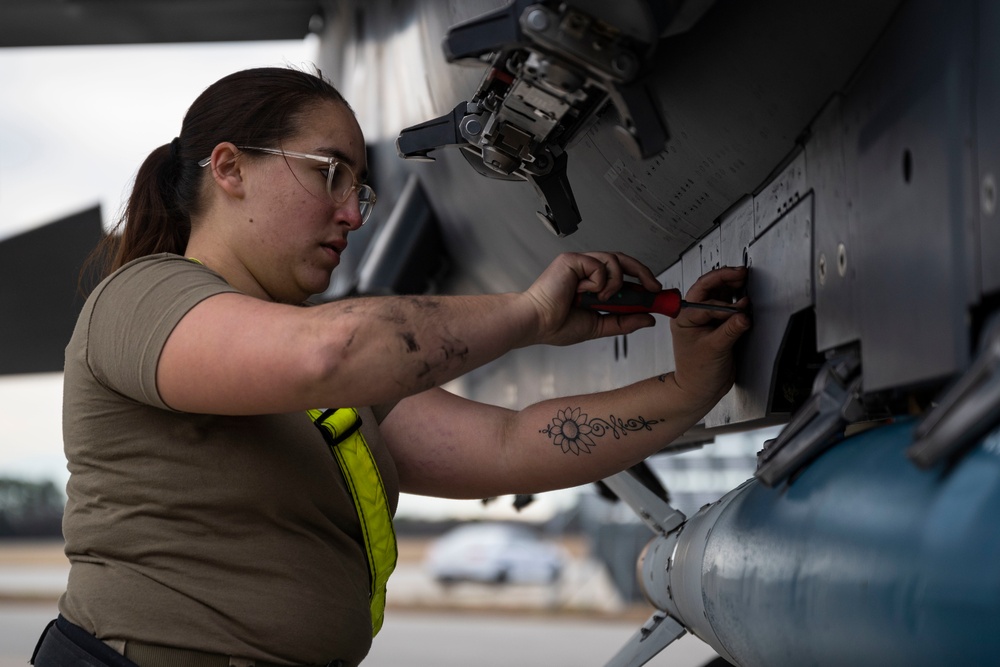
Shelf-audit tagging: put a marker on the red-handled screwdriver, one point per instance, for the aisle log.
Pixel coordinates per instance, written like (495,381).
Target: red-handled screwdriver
(633,298)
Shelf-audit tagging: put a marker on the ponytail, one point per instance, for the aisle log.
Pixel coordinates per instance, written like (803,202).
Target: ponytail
(153,220)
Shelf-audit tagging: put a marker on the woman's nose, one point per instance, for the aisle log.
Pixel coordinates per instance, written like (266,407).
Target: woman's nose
(350,211)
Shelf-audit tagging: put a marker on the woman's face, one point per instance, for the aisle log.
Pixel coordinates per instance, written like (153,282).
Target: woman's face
(293,233)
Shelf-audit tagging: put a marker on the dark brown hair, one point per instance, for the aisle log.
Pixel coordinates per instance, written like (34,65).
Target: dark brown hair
(257,107)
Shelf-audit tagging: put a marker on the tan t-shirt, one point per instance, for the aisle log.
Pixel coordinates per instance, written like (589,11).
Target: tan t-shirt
(232,535)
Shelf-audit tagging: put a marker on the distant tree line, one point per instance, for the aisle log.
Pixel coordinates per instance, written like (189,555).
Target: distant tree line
(30,509)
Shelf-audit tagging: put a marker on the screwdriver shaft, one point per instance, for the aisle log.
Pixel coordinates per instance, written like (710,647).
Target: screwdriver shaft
(633,298)
(709,306)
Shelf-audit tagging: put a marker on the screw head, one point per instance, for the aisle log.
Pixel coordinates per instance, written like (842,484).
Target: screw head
(624,63)
(841,260)
(538,20)
(988,194)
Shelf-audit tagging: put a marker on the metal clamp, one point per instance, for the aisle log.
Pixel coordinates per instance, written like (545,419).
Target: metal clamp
(553,67)
(415,142)
(968,411)
(817,425)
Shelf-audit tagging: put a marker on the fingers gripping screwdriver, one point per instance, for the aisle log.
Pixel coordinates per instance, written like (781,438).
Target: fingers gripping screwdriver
(633,298)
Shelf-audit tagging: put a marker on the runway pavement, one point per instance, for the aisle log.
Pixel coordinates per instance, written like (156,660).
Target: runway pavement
(38,571)
(429,638)
(578,622)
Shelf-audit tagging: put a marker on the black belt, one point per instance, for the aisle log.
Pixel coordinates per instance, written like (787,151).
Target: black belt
(153,655)
(64,644)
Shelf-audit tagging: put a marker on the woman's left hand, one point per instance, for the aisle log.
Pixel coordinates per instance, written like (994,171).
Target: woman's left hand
(703,339)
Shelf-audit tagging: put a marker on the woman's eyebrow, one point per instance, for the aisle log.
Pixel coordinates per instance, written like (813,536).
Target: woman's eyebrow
(343,157)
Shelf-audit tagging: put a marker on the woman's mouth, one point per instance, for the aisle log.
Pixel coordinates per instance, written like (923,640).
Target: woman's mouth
(334,248)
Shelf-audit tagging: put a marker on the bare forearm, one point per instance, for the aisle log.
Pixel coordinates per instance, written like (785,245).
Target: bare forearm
(379,349)
(575,440)
(448,446)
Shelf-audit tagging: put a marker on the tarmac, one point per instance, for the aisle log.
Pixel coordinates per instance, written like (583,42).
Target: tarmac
(580,620)
(37,571)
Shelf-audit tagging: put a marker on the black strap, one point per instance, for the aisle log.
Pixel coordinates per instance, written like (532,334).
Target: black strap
(41,638)
(64,644)
(101,652)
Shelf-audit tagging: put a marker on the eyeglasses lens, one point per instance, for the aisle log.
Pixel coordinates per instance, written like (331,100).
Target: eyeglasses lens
(366,202)
(340,183)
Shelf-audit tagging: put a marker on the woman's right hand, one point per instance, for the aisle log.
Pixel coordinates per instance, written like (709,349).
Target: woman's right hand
(554,292)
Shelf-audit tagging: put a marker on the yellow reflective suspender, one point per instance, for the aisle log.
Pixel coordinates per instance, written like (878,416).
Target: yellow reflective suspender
(342,431)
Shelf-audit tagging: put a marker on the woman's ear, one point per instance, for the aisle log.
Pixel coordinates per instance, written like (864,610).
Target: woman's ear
(227,169)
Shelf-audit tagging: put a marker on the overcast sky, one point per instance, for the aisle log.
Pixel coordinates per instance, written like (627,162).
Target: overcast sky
(75,124)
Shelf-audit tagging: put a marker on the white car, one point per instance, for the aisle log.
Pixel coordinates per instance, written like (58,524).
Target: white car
(494,553)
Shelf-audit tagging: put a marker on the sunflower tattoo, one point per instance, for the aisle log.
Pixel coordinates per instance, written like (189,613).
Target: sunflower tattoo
(574,431)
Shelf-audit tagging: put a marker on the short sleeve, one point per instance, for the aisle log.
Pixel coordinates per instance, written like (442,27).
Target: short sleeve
(134,311)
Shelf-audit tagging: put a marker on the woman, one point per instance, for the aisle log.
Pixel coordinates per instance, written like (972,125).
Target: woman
(219,513)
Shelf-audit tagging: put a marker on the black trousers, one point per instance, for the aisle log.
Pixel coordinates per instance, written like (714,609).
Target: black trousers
(64,644)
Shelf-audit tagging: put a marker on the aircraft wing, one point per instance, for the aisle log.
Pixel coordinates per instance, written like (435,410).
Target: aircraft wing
(846,153)
(78,22)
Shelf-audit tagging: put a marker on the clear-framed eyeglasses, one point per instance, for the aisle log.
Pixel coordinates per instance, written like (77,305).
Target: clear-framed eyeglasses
(340,178)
